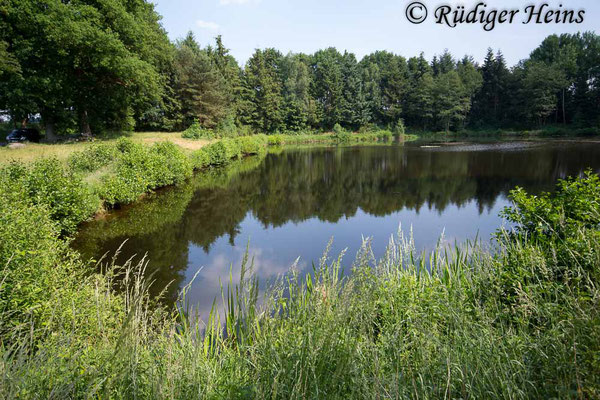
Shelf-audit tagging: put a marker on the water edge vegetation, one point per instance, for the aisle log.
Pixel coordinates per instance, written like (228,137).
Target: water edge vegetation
(521,322)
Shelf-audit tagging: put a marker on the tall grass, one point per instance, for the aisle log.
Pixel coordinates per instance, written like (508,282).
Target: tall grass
(403,326)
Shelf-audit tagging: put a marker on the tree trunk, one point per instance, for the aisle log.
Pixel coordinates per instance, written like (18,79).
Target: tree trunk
(563,108)
(51,136)
(85,124)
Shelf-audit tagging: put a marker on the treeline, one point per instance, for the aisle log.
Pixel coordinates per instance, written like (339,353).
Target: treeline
(90,67)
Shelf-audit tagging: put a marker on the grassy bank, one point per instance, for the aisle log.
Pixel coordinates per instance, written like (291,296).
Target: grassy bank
(62,151)
(522,323)
(331,138)
(546,132)
(106,174)
(337,136)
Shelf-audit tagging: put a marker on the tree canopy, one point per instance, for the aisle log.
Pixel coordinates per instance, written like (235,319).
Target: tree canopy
(88,66)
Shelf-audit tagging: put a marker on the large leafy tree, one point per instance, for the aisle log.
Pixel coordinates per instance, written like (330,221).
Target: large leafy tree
(443,64)
(576,57)
(355,109)
(98,59)
(300,107)
(471,80)
(451,101)
(230,72)
(539,85)
(390,74)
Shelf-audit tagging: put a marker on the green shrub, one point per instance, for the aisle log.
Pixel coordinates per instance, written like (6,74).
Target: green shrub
(340,134)
(233,149)
(92,158)
(68,200)
(200,158)
(251,145)
(399,128)
(196,131)
(561,224)
(140,168)
(368,128)
(274,140)
(384,135)
(172,165)
(337,129)
(36,266)
(226,150)
(227,128)
(216,154)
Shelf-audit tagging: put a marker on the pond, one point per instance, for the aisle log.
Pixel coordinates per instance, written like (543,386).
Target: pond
(290,202)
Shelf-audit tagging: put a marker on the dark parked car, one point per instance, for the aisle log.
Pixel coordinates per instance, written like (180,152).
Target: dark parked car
(24,134)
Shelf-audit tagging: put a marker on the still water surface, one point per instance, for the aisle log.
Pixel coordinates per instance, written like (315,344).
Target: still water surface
(289,204)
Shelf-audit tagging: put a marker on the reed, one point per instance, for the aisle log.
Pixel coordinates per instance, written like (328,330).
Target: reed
(521,321)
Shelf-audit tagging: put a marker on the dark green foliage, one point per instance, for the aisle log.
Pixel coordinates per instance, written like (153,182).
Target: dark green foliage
(200,87)
(263,106)
(102,60)
(82,71)
(386,82)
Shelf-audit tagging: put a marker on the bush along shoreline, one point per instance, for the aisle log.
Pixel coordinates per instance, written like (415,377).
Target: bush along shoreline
(521,322)
(122,172)
(108,175)
(338,135)
(112,174)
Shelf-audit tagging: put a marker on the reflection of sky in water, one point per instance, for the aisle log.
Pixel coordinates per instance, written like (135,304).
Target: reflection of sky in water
(290,204)
(275,249)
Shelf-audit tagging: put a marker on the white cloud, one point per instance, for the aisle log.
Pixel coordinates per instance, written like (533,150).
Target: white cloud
(213,26)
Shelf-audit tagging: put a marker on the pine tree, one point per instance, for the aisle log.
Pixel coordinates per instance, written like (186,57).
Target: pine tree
(418,106)
(490,104)
(451,102)
(327,85)
(200,87)
(355,108)
(263,95)
(231,73)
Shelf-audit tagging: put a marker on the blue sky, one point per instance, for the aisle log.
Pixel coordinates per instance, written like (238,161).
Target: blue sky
(359,26)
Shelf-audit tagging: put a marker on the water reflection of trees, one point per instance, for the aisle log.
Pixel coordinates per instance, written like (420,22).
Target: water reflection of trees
(327,183)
